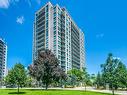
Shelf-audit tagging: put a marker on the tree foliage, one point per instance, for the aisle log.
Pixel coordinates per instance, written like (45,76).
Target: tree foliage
(74,77)
(98,81)
(16,76)
(78,77)
(46,68)
(114,72)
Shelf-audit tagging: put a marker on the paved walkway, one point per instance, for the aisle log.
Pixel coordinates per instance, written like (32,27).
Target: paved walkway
(93,89)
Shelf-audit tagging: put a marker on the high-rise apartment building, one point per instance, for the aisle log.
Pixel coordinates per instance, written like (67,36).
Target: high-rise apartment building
(82,50)
(3,59)
(54,29)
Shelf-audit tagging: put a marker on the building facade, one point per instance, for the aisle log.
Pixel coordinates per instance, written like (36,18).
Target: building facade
(3,59)
(82,50)
(55,30)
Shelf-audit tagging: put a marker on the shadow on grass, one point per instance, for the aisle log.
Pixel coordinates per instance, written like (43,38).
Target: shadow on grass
(17,93)
(46,90)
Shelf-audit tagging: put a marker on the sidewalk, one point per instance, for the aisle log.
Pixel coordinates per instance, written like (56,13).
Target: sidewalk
(103,91)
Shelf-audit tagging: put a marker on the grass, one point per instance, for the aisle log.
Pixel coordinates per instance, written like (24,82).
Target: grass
(49,92)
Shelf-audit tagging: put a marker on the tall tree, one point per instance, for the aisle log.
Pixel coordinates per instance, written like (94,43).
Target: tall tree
(98,80)
(76,76)
(121,73)
(16,76)
(10,78)
(85,77)
(46,68)
(113,72)
(93,79)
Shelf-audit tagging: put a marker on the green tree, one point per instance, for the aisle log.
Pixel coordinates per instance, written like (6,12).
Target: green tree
(29,81)
(85,78)
(76,76)
(72,79)
(98,80)
(108,70)
(114,72)
(10,79)
(16,76)
(93,79)
(121,73)
(46,68)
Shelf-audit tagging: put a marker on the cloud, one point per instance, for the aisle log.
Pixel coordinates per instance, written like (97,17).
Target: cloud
(100,35)
(117,58)
(4,4)
(20,20)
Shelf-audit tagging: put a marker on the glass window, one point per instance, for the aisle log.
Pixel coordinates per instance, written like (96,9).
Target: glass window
(46,24)
(54,32)
(55,14)
(46,15)
(47,8)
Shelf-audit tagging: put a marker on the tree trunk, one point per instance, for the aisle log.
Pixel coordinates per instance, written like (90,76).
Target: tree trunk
(46,86)
(85,86)
(18,88)
(113,90)
(61,83)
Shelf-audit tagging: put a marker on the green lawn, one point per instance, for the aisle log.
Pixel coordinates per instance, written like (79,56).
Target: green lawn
(49,92)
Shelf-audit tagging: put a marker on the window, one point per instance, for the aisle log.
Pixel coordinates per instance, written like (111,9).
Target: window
(47,15)
(54,14)
(47,8)
(46,24)
(54,32)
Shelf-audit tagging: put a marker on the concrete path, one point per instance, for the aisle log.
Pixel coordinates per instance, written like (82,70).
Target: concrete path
(93,89)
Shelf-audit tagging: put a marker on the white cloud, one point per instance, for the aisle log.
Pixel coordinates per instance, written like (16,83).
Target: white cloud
(4,3)
(20,20)
(100,35)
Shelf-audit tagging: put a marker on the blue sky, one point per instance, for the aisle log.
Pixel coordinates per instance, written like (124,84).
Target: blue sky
(104,23)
